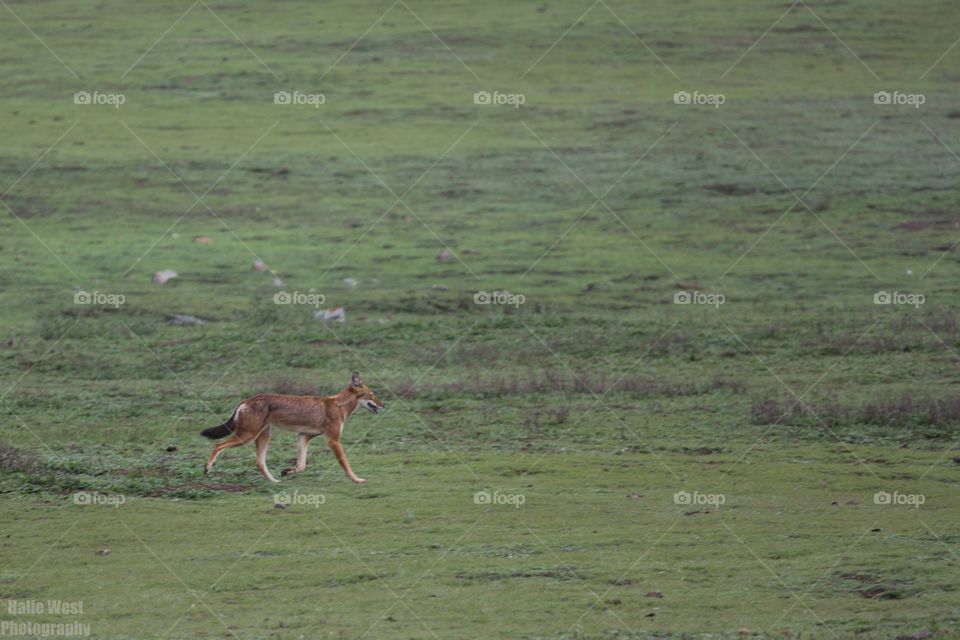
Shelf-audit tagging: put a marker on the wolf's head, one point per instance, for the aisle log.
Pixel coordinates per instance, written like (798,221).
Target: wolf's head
(365,394)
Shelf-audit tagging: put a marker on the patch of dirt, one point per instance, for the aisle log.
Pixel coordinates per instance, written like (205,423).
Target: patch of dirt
(623,582)
(872,587)
(730,189)
(493,576)
(14,459)
(358,579)
(136,472)
(800,28)
(702,451)
(455,194)
(859,577)
(614,124)
(913,225)
(920,225)
(364,112)
(280,171)
(175,343)
(879,592)
(212,486)
(525,472)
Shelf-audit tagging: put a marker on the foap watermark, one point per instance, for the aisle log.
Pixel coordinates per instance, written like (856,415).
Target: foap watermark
(499,498)
(99,298)
(900,298)
(499,297)
(297,498)
(699,297)
(497,98)
(697,499)
(699,99)
(909,99)
(299,98)
(115,100)
(298,297)
(896,498)
(99,499)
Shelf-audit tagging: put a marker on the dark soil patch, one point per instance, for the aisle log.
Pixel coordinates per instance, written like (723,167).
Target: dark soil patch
(14,459)
(800,28)
(493,576)
(702,451)
(730,189)
(195,486)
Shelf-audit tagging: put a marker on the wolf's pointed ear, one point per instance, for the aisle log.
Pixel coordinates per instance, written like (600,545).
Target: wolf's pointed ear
(355,379)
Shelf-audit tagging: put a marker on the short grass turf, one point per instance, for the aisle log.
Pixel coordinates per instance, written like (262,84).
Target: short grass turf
(597,461)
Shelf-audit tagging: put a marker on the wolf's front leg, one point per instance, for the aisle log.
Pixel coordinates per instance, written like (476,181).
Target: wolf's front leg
(338,451)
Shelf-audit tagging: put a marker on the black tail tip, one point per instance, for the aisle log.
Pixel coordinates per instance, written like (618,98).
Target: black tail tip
(216,432)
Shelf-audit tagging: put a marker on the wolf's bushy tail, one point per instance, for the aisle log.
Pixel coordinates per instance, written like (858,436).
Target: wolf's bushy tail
(222,430)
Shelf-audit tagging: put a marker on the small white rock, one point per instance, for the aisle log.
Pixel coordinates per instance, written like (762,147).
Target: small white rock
(331,315)
(184,320)
(163,277)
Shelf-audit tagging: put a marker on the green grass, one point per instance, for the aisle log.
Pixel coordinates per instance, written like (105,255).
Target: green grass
(596,400)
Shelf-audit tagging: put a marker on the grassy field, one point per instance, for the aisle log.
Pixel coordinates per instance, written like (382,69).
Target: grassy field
(776,458)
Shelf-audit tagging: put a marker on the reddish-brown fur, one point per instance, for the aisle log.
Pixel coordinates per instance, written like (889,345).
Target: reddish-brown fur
(309,416)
